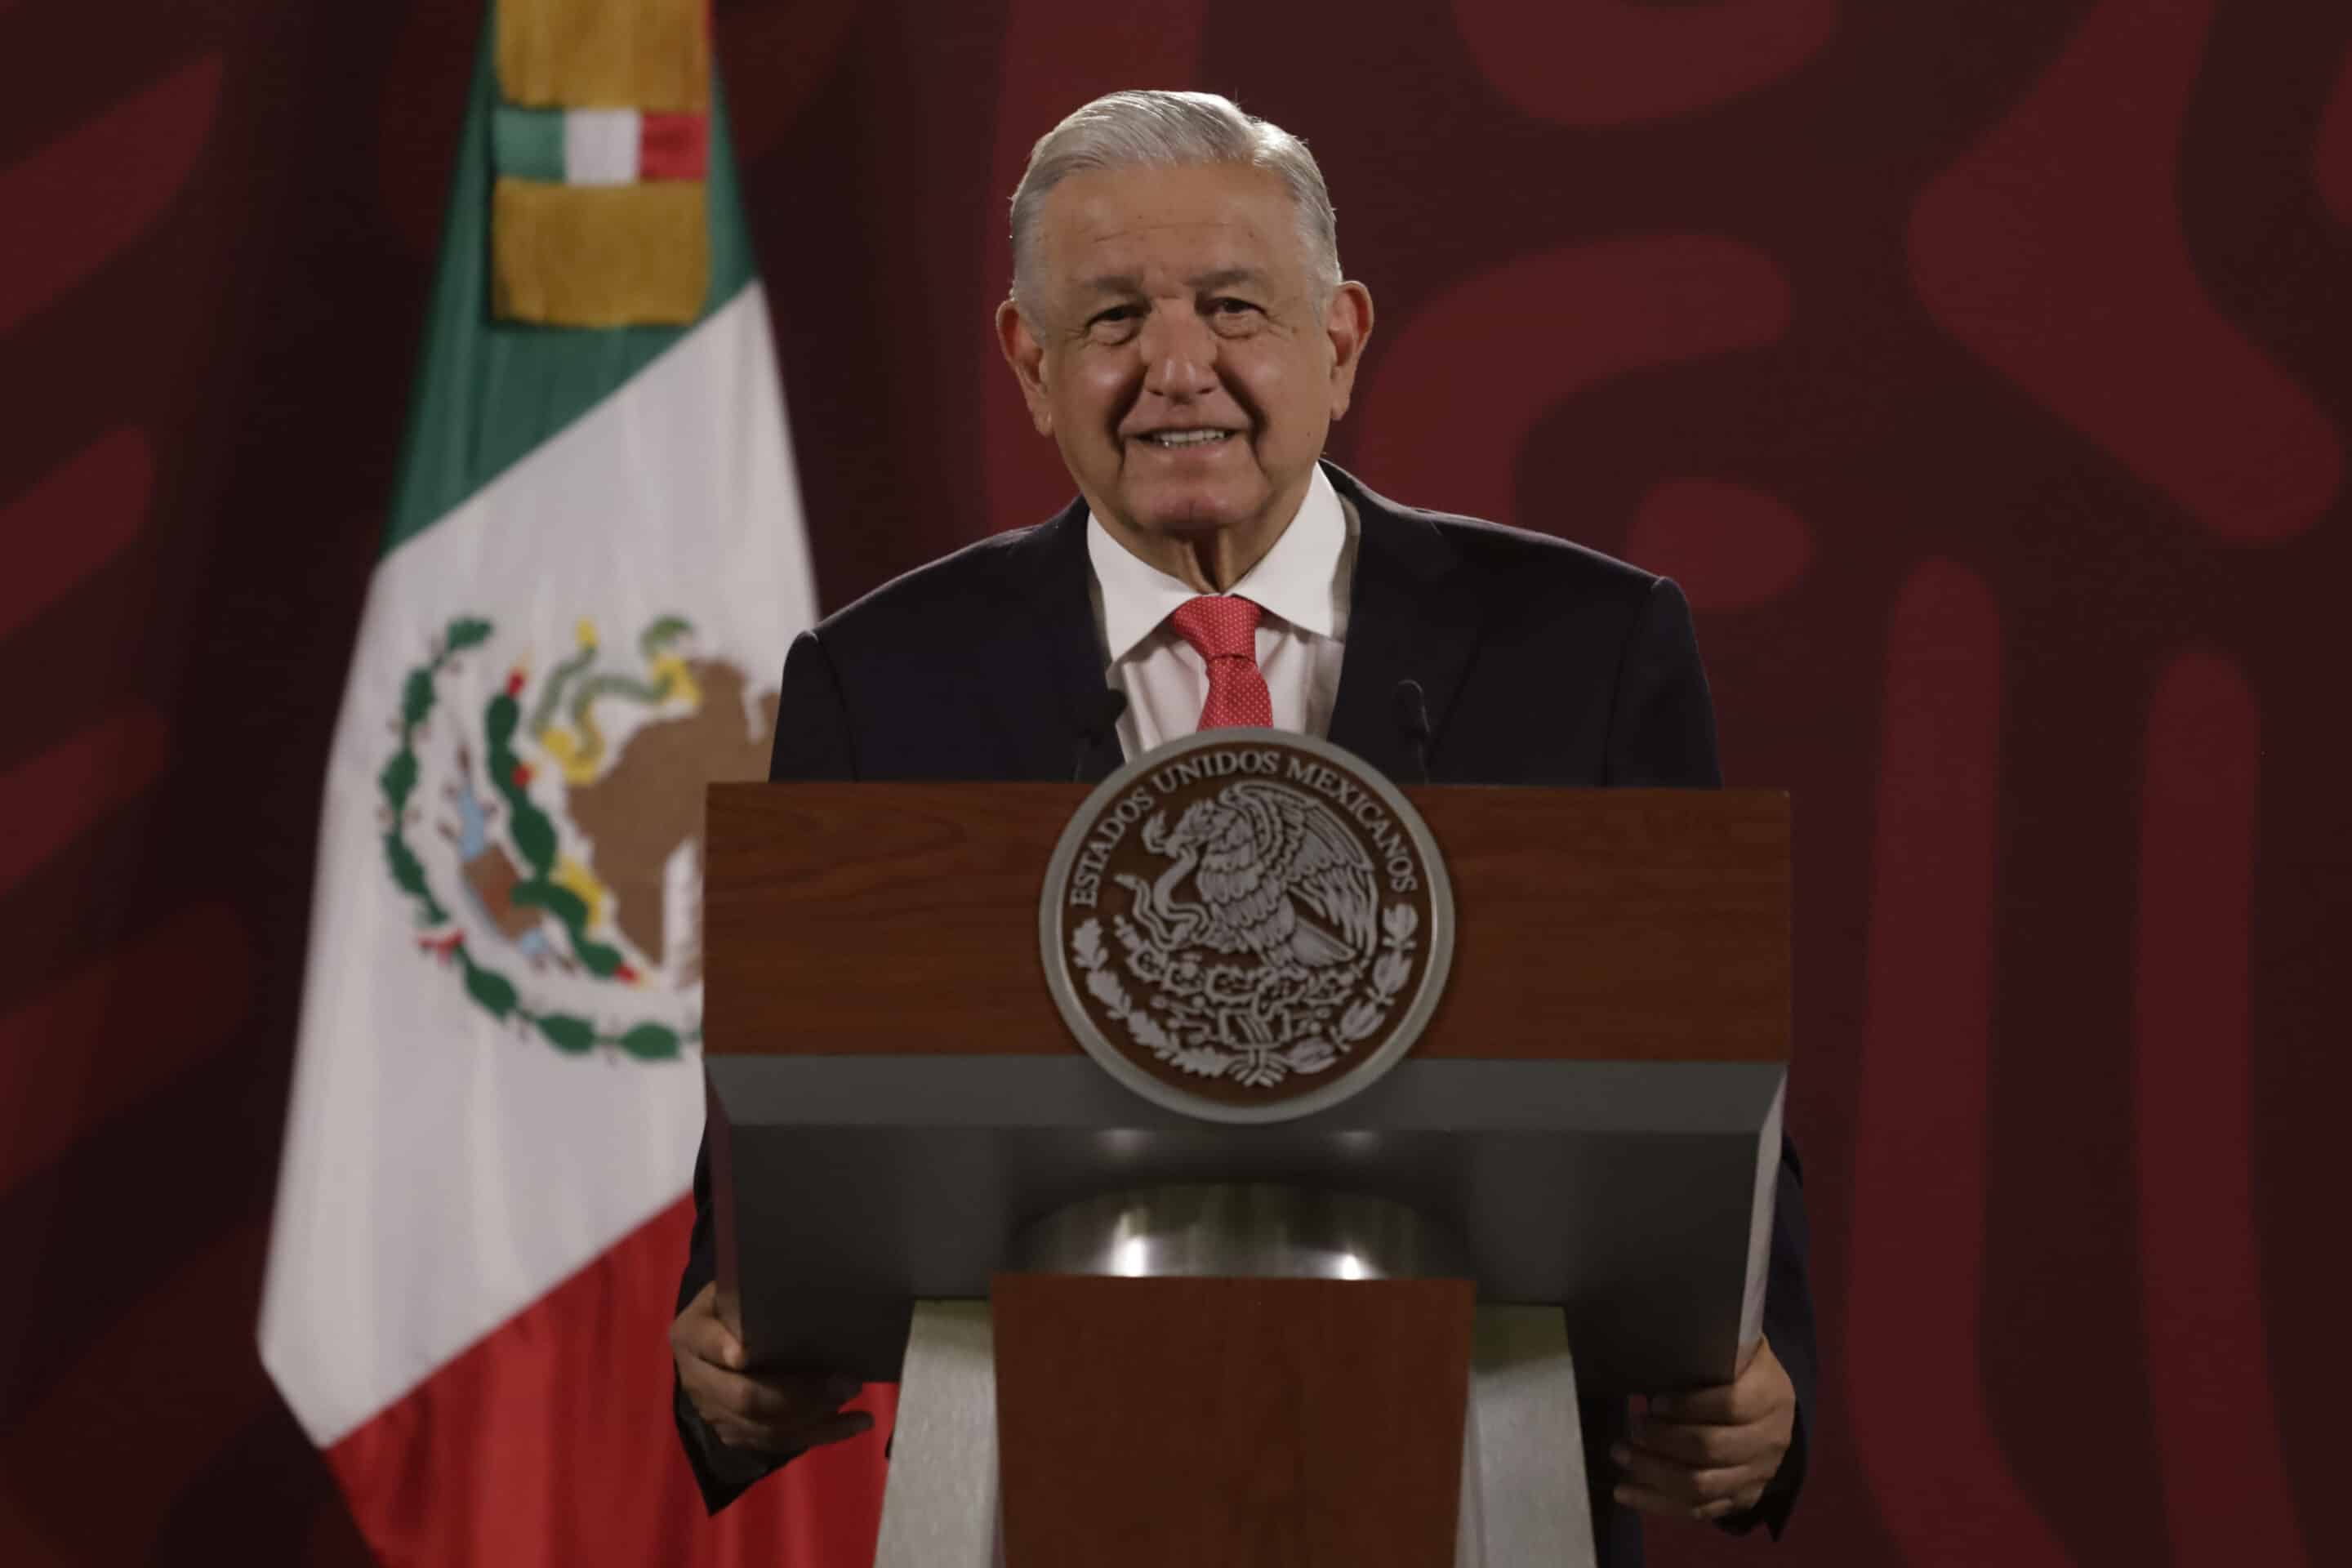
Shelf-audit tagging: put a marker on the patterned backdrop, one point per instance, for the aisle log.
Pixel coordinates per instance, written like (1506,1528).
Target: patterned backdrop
(1983,372)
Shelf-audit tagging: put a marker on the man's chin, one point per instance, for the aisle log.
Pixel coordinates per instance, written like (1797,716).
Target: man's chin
(1187,515)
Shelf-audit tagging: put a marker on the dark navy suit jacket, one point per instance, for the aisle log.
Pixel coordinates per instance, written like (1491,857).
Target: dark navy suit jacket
(1541,662)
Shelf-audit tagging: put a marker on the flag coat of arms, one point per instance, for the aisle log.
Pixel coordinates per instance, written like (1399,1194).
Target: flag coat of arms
(594,562)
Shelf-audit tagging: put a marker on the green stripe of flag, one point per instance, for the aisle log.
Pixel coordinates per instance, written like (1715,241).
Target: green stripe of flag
(526,143)
(488,392)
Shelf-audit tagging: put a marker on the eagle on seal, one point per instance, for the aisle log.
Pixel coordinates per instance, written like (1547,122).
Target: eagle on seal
(1277,875)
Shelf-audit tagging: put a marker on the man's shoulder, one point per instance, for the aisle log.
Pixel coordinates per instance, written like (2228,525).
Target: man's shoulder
(1511,552)
(953,597)
(1512,562)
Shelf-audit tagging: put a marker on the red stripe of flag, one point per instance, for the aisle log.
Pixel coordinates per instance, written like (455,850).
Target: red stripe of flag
(674,147)
(549,1443)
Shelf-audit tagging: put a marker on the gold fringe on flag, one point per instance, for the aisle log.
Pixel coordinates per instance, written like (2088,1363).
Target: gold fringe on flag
(605,54)
(599,255)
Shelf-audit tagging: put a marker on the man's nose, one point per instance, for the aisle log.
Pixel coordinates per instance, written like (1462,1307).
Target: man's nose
(1180,354)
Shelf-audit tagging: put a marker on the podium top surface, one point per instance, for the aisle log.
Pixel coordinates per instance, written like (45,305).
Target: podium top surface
(900,920)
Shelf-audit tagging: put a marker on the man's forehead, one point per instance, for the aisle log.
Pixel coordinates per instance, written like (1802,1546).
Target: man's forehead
(1200,281)
(1192,222)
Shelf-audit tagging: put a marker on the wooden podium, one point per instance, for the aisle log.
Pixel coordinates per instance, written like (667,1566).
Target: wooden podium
(1589,1127)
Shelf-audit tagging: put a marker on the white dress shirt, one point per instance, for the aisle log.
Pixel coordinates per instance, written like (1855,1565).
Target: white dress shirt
(1301,584)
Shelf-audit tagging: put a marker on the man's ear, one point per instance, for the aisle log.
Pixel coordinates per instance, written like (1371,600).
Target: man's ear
(1027,355)
(1347,324)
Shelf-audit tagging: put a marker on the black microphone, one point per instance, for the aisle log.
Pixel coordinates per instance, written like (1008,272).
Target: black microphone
(1412,718)
(1099,720)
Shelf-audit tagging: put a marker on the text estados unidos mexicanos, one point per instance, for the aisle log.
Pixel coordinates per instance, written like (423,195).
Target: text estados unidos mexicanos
(1393,847)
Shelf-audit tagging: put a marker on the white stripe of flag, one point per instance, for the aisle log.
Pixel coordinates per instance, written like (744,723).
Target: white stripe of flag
(601,146)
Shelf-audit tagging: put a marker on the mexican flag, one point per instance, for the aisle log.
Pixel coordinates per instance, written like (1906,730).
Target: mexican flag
(593,566)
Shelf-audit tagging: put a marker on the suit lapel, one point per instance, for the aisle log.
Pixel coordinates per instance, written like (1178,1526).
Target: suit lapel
(1410,616)
(1052,566)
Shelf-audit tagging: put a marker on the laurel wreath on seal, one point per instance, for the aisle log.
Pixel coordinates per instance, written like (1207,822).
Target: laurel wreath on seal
(1189,1046)
(533,834)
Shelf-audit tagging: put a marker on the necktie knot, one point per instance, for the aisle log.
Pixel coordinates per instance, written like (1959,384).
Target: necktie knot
(1223,629)
(1219,626)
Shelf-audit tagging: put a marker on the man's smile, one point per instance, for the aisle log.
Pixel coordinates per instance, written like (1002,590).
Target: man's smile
(1190,439)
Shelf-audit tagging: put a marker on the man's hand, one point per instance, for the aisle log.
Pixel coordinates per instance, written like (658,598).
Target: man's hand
(776,1415)
(1711,1452)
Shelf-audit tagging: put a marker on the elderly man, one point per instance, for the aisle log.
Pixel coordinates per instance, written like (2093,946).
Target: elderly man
(1179,326)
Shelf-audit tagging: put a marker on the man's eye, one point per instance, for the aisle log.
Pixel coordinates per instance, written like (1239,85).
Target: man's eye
(1232,307)
(1112,317)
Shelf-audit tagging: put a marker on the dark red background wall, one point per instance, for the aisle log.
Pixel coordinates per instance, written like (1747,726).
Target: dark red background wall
(1984,372)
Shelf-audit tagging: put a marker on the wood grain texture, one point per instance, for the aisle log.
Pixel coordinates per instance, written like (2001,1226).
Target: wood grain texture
(1603,925)
(1240,1422)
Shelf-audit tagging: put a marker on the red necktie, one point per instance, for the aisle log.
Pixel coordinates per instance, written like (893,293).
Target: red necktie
(1223,630)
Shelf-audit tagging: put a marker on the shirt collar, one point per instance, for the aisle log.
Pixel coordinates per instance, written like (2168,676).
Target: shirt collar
(1296,580)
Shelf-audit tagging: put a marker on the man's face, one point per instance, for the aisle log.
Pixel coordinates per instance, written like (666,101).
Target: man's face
(1176,351)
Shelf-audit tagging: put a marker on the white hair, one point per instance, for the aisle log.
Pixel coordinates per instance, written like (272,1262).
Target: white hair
(1174,129)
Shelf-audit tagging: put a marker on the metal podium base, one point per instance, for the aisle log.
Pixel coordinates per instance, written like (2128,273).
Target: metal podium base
(1523,1498)
(939,1502)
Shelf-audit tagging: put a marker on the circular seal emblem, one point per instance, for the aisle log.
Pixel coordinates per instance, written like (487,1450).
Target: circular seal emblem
(1246,925)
